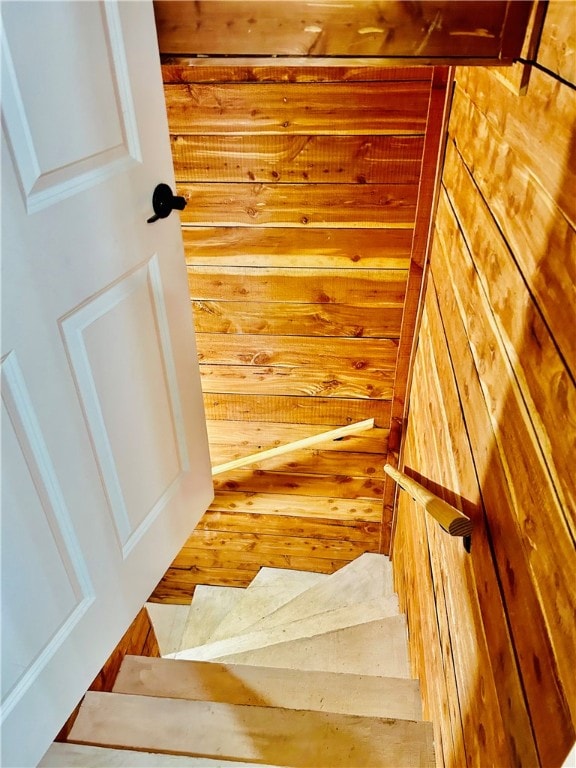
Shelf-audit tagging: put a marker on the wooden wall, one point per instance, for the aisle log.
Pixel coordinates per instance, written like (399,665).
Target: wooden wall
(431,29)
(492,424)
(138,640)
(303,186)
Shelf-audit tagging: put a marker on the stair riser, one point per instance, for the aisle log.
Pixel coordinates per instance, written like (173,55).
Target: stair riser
(369,577)
(328,621)
(373,648)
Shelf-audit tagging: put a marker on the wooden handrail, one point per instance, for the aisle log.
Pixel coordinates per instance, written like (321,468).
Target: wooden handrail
(306,442)
(451,519)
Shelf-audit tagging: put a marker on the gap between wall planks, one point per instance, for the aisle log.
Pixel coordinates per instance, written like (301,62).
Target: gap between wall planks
(307,442)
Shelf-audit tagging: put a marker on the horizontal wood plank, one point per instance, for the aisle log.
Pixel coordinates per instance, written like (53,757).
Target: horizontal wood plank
(177,585)
(297,381)
(183,69)
(314,159)
(261,437)
(284,505)
(331,411)
(254,350)
(378,288)
(289,526)
(321,462)
(267,544)
(323,320)
(286,108)
(299,205)
(340,486)
(324,248)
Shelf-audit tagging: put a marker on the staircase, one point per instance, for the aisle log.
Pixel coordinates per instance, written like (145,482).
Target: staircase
(299,669)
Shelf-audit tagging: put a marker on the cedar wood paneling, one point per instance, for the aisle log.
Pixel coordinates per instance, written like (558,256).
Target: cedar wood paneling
(492,423)
(298,237)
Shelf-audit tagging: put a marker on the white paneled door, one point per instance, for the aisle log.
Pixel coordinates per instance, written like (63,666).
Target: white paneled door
(105,464)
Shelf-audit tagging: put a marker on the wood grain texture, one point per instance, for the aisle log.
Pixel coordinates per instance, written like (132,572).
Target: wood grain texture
(290,319)
(279,351)
(343,486)
(299,205)
(520,597)
(324,248)
(287,109)
(558,41)
(550,549)
(298,29)
(302,445)
(290,526)
(349,511)
(334,411)
(260,437)
(541,238)
(375,288)
(250,733)
(447,459)
(314,159)
(191,69)
(493,382)
(298,239)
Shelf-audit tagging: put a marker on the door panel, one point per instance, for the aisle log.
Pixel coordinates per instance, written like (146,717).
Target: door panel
(106,467)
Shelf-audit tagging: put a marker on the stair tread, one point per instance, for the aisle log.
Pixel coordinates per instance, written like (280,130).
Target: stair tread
(67,755)
(210,605)
(168,622)
(374,648)
(310,626)
(251,733)
(269,590)
(366,578)
(250,685)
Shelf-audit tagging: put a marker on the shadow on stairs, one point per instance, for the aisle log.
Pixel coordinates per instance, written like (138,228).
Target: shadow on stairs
(299,669)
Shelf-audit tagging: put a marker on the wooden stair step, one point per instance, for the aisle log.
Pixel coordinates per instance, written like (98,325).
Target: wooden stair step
(251,733)
(66,755)
(269,590)
(258,686)
(209,606)
(369,577)
(373,648)
(169,622)
(310,626)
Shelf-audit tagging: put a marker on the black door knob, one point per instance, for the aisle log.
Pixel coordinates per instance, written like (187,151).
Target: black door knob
(164,202)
